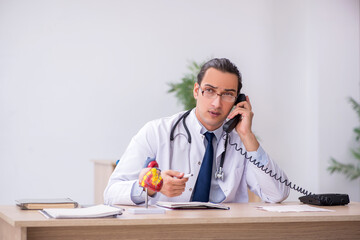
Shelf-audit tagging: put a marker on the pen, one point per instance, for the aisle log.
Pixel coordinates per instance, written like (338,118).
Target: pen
(188,175)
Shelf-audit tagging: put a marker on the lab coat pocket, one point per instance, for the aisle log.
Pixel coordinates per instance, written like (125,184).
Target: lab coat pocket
(239,176)
(235,184)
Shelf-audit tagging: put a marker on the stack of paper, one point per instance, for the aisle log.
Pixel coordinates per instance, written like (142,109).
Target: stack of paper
(97,211)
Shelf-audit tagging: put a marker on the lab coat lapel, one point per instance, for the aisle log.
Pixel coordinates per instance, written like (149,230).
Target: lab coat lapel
(224,184)
(197,149)
(190,158)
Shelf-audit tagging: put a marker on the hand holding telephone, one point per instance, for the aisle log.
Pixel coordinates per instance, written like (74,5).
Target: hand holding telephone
(231,124)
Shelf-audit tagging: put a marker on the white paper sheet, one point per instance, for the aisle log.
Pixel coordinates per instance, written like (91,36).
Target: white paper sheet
(294,208)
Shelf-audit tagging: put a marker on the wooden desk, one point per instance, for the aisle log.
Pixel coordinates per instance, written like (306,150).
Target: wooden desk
(242,221)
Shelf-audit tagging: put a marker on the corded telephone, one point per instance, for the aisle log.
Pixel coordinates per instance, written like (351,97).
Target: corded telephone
(309,198)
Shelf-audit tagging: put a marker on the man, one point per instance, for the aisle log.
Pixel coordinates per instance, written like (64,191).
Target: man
(218,85)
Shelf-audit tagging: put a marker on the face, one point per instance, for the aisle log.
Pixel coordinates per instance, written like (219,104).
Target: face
(213,112)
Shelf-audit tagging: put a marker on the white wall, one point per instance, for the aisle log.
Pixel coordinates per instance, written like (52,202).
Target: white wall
(79,78)
(338,69)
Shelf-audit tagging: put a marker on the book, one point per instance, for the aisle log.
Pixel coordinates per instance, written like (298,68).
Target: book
(38,204)
(192,205)
(98,211)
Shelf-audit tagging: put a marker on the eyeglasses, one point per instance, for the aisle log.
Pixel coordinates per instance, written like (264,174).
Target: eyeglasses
(212,94)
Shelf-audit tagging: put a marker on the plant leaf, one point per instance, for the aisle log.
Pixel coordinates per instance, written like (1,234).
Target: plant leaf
(184,89)
(349,170)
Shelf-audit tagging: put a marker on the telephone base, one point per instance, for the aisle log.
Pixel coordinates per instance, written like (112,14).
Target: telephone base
(329,199)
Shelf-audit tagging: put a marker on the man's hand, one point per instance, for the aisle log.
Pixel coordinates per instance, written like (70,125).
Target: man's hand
(174,184)
(243,128)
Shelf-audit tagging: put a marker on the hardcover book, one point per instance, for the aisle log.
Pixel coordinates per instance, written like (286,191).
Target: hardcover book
(38,204)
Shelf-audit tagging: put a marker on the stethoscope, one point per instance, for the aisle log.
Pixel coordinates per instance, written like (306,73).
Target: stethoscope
(219,174)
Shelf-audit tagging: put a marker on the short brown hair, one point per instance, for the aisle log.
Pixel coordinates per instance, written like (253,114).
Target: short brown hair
(221,64)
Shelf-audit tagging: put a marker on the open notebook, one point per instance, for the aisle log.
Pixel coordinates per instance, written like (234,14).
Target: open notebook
(191,205)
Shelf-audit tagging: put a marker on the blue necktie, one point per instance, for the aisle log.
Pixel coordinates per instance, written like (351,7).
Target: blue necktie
(202,187)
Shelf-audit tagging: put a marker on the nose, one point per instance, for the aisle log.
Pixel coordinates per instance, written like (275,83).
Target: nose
(216,102)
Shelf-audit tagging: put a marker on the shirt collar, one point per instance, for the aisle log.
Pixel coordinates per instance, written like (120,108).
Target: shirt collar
(217,132)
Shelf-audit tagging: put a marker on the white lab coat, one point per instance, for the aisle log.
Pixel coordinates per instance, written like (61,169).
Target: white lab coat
(153,140)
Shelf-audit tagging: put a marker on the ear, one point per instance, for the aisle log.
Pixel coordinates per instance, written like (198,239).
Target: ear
(196,90)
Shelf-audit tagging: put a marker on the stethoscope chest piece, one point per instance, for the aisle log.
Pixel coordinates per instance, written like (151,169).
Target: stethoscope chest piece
(219,174)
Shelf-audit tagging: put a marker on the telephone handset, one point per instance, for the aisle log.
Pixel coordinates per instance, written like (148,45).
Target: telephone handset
(231,124)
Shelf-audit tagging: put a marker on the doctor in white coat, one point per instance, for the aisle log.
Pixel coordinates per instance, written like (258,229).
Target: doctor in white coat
(219,83)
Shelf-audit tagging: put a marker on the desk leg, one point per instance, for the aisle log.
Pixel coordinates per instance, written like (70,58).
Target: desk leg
(12,233)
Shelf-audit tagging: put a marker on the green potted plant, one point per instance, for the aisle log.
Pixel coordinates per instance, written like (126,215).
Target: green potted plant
(184,90)
(352,171)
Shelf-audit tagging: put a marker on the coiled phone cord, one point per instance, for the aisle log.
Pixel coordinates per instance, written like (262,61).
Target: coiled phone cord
(266,169)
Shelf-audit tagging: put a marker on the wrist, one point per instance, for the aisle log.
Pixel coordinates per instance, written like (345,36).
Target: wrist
(250,142)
